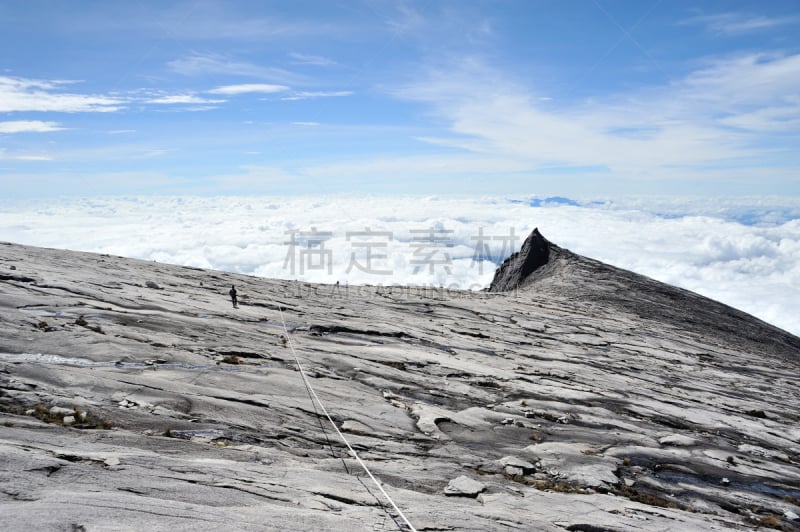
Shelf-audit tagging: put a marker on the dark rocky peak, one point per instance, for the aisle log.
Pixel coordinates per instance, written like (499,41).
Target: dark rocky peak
(517,269)
(550,271)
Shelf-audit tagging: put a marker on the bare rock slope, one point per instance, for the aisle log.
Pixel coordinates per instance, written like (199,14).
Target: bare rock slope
(571,396)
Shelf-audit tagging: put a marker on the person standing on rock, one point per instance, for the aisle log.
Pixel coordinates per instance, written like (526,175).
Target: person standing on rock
(233,296)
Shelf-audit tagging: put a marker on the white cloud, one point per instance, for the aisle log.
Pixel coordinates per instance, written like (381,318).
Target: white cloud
(20,94)
(316,60)
(402,19)
(308,95)
(770,119)
(246,88)
(219,21)
(715,116)
(150,153)
(738,23)
(33,158)
(742,251)
(29,126)
(183,99)
(5,156)
(753,79)
(216,64)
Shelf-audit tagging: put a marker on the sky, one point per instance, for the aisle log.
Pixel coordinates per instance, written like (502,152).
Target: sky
(575,98)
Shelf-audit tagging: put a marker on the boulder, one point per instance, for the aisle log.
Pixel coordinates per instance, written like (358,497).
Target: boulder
(517,463)
(514,471)
(464,486)
(61,411)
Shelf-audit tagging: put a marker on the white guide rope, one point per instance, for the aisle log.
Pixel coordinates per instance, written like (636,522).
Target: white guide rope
(349,447)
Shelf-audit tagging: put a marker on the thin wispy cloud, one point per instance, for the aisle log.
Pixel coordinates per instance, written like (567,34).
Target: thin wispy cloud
(750,79)
(219,64)
(246,88)
(401,18)
(151,153)
(738,23)
(22,94)
(8,156)
(32,158)
(686,123)
(755,93)
(315,60)
(29,126)
(219,21)
(183,99)
(309,95)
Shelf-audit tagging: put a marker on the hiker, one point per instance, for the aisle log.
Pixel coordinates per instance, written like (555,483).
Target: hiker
(233,297)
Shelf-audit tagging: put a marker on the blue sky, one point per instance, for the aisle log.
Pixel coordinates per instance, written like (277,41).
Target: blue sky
(577,98)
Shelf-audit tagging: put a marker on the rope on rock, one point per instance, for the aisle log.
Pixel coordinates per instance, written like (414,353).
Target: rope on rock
(347,443)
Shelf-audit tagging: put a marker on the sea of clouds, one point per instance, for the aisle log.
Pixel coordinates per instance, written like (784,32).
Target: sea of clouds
(742,251)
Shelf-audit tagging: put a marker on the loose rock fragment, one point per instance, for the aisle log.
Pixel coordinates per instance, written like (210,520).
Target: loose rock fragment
(464,486)
(678,440)
(518,463)
(514,471)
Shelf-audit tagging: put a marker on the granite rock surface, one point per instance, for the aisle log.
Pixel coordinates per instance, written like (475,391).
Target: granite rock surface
(571,396)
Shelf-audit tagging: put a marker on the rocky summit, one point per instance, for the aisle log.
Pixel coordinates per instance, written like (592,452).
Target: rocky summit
(571,395)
